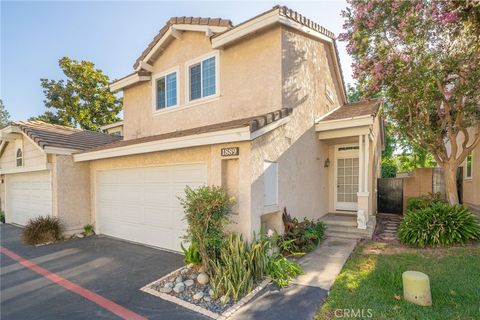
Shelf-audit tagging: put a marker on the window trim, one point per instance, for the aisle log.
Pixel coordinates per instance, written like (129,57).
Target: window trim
(274,206)
(465,176)
(157,76)
(21,158)
(197,60)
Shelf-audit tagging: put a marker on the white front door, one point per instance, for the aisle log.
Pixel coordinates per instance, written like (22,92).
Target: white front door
(28,195)
(142,205)
(347,168)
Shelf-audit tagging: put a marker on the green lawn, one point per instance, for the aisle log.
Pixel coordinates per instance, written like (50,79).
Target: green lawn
(372,279)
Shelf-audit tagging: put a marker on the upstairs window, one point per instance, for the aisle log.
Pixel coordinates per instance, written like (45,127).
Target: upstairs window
(166,91)
(19,157)
(202,79)
(468,166)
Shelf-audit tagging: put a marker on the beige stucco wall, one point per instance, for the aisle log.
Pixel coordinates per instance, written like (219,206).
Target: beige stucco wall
(71,192)
(471,187)
(32,155)
(302,181)
(419,183)
(250,84)
(210,155)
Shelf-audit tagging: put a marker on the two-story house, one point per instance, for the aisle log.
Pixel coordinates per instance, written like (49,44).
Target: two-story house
(259,108)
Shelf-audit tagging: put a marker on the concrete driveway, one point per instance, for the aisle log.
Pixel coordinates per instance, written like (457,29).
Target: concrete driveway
(93,278)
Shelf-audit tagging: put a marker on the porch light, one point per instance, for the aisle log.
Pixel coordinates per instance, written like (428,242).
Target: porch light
(327,163)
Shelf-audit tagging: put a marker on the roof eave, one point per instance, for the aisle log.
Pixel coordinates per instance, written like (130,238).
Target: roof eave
(360,121)
(128,81)
(239,134)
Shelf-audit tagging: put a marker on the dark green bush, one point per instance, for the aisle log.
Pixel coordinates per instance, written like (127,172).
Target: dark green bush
(207,213)
(417,203)
(438,224)
(42,229)
(300,237)
(2,216)
(389,168)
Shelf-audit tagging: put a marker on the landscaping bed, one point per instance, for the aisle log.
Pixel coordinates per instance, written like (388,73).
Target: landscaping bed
(372,280)
(184,284)
(223,270)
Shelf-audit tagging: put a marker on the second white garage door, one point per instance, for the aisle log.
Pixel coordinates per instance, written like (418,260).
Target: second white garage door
(28,195)
(142,204)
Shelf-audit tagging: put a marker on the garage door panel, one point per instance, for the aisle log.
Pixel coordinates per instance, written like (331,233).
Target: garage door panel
(160,194)
(130,193)
(158,175)
(188,175)
(142,204)
(123,213)
(168,219)
(28,195)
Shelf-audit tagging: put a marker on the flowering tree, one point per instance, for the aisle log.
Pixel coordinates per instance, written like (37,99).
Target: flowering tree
(424,56)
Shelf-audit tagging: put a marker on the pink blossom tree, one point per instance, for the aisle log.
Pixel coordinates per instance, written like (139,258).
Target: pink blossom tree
(424,57)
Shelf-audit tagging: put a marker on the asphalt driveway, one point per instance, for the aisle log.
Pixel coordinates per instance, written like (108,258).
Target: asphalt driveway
(110,268)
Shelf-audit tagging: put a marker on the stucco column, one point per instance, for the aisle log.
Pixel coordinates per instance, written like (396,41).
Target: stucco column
(363,194)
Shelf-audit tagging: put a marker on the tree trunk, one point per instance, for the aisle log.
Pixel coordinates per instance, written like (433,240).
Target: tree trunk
(450,173)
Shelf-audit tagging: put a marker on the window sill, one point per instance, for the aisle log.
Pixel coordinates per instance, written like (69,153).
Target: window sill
(202,100)
(271,209)
(186,106)
(468,179)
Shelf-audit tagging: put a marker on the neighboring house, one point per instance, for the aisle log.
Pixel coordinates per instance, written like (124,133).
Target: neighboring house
(113,128)
(39,176)
(258,108)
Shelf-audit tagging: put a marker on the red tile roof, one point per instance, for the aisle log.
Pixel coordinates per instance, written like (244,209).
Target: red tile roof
(52,135)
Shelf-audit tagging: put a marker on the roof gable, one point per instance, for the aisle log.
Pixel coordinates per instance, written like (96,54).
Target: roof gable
(47,135)
(225,34)
(176,24)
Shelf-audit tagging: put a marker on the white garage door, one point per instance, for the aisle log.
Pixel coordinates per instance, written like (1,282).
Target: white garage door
(28,195)
(142,204)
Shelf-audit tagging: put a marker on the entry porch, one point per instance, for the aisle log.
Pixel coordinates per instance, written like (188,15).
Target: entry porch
(354,136)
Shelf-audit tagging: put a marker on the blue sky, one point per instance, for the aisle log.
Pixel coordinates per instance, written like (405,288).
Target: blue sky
(34,35)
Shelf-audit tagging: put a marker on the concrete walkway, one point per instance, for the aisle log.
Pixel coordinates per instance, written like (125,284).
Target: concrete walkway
(305,295)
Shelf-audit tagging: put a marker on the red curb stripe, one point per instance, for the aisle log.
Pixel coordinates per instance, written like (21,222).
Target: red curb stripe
(95,298)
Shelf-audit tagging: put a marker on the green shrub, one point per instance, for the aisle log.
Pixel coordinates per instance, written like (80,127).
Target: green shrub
(300,237)
(42,230)
(2,216)
(88,229)
(438,224)
(206,211)
(192,256)
(389,168)
(282,271)
(417,203)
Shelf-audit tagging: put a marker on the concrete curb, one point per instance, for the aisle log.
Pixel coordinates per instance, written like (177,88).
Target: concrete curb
(225,315)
